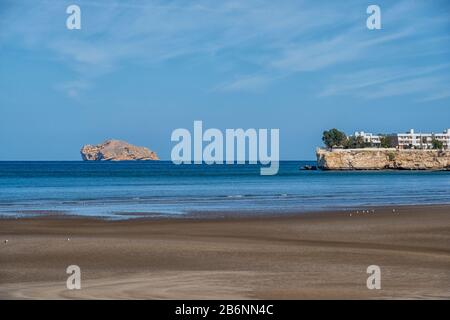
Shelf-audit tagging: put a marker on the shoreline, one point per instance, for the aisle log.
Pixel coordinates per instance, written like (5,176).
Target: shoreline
(223,214)
(304,256)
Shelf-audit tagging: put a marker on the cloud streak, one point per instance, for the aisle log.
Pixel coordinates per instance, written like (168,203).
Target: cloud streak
(271,40)
(396,81)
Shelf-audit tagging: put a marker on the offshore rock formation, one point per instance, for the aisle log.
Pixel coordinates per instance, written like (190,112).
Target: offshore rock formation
(383,158)
(116,150)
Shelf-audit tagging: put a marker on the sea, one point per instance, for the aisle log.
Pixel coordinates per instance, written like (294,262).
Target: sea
(125,190)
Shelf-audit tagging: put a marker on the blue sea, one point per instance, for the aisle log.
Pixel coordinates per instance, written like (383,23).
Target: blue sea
(122,190)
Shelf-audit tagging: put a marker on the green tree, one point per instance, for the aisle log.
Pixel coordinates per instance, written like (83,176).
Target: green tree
(356,143)
(437,144)
(334,137)
(385,142)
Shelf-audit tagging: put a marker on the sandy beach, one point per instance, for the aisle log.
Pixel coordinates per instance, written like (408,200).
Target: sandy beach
(302,256)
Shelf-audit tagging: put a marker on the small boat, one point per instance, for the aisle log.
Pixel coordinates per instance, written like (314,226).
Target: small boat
(308,167)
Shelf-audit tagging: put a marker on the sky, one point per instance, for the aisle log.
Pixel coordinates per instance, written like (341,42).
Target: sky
(137,70)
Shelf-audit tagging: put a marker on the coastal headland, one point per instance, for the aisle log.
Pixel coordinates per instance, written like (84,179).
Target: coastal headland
(382,159)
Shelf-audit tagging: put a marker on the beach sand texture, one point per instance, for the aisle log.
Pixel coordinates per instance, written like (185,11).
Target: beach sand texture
(304,256)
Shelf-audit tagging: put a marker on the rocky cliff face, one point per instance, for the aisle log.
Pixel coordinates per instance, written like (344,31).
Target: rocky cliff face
(380,159)
(116,150)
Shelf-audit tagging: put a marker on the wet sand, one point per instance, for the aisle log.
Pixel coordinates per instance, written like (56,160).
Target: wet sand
(302,256)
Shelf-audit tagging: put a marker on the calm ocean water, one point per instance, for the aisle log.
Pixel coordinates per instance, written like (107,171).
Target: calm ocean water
(130,189)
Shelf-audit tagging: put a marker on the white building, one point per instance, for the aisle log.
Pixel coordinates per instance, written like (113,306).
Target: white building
(408,140)
(420,140)
(375,140)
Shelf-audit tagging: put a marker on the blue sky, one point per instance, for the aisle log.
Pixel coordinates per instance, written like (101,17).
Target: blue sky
(139,69)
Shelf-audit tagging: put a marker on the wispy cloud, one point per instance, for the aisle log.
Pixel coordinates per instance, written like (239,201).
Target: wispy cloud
(386,82)
(422,86)
(73,88)
(271,39)
(246,83)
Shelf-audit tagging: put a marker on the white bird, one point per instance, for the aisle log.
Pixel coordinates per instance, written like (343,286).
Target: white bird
(68,239)
(6,241)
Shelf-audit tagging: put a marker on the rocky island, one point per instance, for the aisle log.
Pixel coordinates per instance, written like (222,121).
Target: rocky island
(116,150)
(382,159)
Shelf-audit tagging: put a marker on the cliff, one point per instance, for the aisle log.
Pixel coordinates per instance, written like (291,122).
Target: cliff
(380,159)
(116,150)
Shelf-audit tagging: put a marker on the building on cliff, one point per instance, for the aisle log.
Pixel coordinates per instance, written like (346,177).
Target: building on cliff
(408,140)
(374,140)
(420,140)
